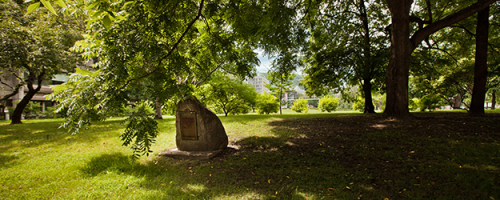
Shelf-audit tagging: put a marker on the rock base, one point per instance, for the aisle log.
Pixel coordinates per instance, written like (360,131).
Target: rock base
(190,155)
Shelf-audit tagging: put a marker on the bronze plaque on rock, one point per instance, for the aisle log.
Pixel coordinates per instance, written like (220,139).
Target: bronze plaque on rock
(189,130)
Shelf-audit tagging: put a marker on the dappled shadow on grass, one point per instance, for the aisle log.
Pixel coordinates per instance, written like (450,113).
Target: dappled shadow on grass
(450,156)
(419,158)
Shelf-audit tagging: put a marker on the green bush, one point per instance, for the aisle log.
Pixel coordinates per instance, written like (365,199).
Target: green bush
(359,104)
(300,106)
(328,104)
(267,103)
(50,112)
(430,102)
(413,104)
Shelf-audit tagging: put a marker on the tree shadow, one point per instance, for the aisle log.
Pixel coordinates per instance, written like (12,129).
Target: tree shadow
(336,157)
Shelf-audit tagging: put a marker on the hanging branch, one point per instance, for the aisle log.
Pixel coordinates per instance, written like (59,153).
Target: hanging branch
(171,50)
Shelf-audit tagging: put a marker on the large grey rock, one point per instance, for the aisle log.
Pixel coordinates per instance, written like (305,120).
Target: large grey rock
(198,128)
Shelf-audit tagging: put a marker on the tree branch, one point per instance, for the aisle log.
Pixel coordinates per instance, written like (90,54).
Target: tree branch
(14,92)
(209,74)
(449,54)
(421,34)
(186,31)
(171,50)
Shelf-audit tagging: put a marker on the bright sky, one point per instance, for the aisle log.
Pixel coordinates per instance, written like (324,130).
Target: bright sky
(265,62)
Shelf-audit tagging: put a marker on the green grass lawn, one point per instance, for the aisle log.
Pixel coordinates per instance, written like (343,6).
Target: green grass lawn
(342,155)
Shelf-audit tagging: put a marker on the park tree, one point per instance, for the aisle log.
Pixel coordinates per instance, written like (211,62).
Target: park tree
(34,48)
(445,64)
(227,94)
(280,76)
(348,47)
(481,62)
(435,16)
(160,49)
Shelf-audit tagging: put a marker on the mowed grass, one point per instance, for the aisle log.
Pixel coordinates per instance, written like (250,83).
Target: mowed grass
(293,156)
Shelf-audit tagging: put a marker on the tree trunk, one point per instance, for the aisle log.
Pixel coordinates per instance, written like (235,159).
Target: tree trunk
(367,62)
(281,91)
(493,100)
(367,89)
(399,63)
(18,112)
(480,67)
(158,114)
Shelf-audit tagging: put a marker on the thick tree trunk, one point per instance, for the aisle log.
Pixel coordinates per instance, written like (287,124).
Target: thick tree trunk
(493,100)
(18,112)
(158,114)
(480,67)
(367,89)
(399,63)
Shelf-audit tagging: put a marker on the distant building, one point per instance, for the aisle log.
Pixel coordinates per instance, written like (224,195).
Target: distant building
(9,81)
(258,83)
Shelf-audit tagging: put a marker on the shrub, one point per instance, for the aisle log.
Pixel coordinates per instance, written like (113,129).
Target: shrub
(430,102)
(267,103)
(328,104)
(50,112)
(413,104)
(359,104)
(300,106)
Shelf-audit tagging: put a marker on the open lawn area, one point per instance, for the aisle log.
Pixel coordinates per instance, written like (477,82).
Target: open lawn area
(439,155)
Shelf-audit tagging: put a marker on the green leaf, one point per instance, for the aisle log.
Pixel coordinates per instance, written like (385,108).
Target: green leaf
(48,5)
(61,3)
(106,21)
(33,7)
(92,5)
(97,14)
(127,4)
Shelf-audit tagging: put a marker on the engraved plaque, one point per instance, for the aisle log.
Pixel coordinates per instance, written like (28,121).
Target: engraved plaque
(189,130)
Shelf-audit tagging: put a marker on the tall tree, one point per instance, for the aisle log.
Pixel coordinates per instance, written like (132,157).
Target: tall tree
(348,45)
(481,64)
(280,76)
(162,49)
(35,47)
(403,44)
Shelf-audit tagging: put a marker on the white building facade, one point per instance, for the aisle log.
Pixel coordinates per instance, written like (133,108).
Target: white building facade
(258,83)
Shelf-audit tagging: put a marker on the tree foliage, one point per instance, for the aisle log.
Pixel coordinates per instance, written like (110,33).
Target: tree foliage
(229,95)
(348,47)
(34,48)
(328,104)
(279,76)
(149,50)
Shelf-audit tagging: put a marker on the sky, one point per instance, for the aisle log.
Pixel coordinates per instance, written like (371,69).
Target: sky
(265,62)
